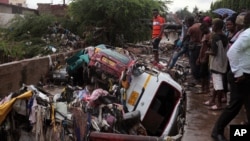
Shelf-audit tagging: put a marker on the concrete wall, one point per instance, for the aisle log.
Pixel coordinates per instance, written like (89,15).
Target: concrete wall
(5,9)
(8,12)
(14,9)
(5,19)
(30,71)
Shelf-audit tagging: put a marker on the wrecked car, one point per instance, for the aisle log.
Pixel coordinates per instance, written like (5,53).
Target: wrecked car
(159,102)
(155,110)
(100,62)
(138,103)
(148,94)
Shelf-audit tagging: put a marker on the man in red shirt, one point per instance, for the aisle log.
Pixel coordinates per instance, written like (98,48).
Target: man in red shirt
(157,33)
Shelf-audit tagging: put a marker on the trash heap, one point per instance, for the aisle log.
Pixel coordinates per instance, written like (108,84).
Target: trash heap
(36,115)
(64,39)
(93,100)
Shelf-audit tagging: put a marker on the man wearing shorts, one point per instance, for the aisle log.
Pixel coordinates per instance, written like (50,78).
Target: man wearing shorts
(218,63)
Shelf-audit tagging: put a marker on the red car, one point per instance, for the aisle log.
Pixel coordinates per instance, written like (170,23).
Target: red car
(102,62)
(110,62)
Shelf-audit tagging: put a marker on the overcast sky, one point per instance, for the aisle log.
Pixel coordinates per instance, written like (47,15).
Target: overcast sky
(33,3)
(203,5)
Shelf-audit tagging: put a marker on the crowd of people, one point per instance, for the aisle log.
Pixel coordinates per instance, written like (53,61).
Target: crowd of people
(219,52)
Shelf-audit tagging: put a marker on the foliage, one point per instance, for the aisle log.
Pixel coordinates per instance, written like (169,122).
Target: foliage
(237,6)
(118,18)
(196,10)
(24,27)
(70,24)
(18,50)
(23,38)
(164,5)
(34,25)
(119,21)
(183,13)
(9,50)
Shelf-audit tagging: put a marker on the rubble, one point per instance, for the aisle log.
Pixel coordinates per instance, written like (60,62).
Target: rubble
(119,94)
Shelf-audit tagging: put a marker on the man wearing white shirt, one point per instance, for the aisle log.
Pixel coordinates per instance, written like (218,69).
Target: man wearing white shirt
(239,80)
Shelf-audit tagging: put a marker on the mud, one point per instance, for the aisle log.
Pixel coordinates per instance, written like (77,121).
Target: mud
(200,120)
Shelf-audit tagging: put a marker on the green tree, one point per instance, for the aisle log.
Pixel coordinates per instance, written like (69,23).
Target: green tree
(196,10)
(212,6)
(117,18)
(183,13)
(236,5)
(164,4)
(243,4)
(23,38)
(35,25)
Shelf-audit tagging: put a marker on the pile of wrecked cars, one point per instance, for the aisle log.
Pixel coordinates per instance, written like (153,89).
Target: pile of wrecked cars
(113,96)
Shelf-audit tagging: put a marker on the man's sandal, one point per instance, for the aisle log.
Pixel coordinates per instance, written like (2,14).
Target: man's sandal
(215,108)
(209,103)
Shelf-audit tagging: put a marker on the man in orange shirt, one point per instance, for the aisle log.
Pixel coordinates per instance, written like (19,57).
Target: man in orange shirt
(157,33)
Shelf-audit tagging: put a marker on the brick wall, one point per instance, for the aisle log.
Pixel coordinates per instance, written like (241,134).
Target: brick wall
(4,1)
(57,10)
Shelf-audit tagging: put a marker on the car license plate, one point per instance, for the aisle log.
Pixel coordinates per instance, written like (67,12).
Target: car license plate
(108,61)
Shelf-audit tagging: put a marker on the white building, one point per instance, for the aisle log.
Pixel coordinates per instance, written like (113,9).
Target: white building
(21,3)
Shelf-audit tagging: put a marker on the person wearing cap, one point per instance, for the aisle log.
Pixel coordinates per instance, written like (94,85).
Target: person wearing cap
(157,33)
(207,20)
(237,21)
(238,78)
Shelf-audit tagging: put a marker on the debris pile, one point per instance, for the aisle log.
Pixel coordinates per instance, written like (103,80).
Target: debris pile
(107,92)
(65,39)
